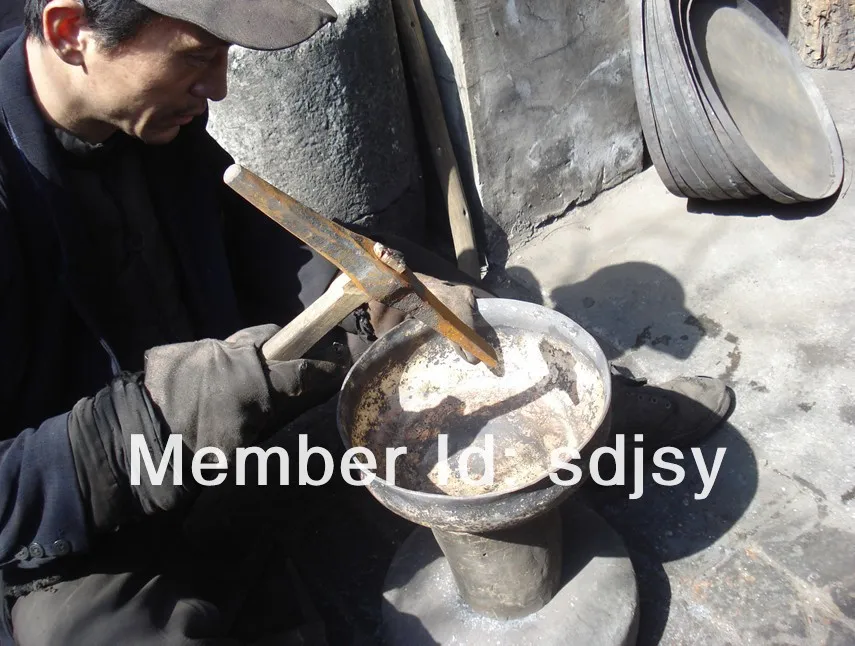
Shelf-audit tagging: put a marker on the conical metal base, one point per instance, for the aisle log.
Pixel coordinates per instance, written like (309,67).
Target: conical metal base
(597,604)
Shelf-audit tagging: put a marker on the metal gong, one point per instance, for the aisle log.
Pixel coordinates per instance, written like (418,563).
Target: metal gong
(764,95)
(727,109)
(410,389)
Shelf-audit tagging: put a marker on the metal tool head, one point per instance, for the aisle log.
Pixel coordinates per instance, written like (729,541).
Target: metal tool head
(378,271)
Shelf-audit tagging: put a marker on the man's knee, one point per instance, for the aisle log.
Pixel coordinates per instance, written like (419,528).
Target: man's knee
(35,617)
(112,609)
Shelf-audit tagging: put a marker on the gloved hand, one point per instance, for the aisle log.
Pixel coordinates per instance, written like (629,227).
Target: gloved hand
(221,394)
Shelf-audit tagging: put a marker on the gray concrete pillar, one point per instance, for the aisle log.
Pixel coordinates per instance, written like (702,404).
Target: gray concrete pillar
(328,121)
(540,100)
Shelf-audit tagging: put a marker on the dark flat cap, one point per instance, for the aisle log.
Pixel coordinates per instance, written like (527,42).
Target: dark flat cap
(255,24)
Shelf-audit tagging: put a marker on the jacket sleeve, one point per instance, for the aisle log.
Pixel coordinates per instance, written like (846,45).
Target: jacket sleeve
(42,516)
(41,511)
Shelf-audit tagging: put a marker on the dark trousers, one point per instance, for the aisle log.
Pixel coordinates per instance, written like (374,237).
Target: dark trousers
(221,573)
(122,608)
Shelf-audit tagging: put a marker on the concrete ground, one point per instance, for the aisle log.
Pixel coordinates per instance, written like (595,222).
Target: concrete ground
(759,295)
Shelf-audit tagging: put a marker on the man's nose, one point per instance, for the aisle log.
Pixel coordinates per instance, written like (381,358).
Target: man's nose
(214,85)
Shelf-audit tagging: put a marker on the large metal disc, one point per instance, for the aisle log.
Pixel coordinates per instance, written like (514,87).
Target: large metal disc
(665,114)
(696,150)
(783,138)
(718,129)
(636,10)
(730,183)
(597,604)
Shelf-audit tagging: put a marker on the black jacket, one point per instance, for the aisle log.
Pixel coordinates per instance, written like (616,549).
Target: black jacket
(236,268)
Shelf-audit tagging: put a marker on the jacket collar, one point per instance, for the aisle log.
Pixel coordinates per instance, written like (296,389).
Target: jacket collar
(28,128)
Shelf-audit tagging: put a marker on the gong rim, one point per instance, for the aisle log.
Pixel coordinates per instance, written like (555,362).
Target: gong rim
(492,510)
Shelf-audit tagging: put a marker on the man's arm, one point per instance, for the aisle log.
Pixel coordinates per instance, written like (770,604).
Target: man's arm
(41,511)
(71,477)
(42,515)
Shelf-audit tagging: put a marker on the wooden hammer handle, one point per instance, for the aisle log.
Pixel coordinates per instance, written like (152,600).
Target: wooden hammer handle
(298,337)
(436,129)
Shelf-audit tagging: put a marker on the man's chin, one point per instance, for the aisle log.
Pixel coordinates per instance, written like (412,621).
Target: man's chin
(159,136)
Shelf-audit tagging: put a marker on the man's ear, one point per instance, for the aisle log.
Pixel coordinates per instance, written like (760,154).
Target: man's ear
(63,24)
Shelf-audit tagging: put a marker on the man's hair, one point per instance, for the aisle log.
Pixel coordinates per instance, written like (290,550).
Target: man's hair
(115,21)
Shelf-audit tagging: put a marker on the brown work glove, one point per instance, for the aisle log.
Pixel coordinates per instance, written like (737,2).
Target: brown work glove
(224,394)
(220,394)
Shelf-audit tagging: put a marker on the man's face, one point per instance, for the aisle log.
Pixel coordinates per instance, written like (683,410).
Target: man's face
(156,82)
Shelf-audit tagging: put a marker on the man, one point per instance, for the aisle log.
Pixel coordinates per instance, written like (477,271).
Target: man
(125,261)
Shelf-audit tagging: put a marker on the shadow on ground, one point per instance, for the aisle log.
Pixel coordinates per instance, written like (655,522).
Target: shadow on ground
(669,523)
(760,206)
(629,306)
(626,307)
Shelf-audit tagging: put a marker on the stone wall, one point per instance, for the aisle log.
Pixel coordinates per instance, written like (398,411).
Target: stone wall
(328,121)
(540,101)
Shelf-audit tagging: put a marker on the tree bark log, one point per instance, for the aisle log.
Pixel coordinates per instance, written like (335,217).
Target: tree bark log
(823,32)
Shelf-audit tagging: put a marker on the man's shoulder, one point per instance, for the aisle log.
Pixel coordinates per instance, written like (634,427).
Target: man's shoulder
(4,198)
(8,38)
(5,148)
(10,61)
(4,169)
(7,241)
(8,238)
